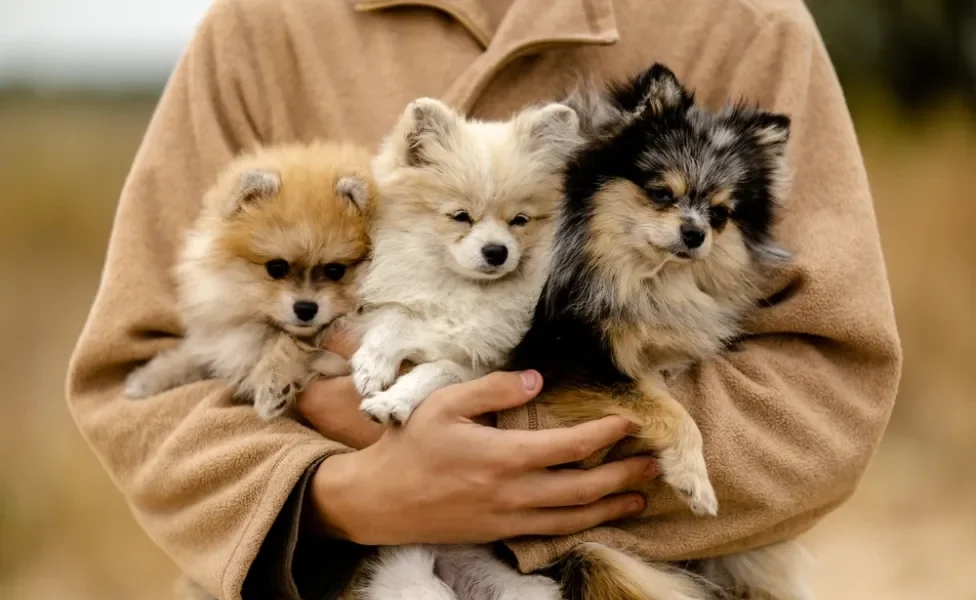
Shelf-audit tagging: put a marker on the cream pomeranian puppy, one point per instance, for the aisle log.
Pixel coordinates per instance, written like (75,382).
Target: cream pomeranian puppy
(461,243)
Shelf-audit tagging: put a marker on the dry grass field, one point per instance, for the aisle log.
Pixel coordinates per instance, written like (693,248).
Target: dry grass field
(65,533)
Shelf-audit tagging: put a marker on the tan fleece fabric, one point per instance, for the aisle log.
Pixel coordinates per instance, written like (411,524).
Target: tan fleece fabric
(790,421)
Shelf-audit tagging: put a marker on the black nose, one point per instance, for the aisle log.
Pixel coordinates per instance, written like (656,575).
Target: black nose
(692,236)
(306,310)
(495,254)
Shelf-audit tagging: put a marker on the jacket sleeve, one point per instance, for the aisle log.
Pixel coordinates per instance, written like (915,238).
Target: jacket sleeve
(792,417)
(204,477)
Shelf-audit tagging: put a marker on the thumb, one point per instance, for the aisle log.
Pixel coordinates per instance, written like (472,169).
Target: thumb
(493,392)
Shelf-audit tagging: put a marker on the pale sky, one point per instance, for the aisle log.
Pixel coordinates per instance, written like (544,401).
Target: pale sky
(93,42)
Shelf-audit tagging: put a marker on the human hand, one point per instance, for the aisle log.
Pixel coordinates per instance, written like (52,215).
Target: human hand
(443,478)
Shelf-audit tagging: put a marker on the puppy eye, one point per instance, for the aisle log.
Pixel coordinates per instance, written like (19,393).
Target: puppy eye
(662,196)
(461,216)
(332,271)
(277,268)
(519,221)
(718,216)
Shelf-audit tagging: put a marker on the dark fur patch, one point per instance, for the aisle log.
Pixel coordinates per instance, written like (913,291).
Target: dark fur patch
(737,151)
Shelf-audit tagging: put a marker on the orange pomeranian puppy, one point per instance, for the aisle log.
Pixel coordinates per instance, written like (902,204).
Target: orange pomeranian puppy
(268,266)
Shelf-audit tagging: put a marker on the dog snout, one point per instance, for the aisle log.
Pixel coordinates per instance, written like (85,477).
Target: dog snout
(306,310)
(692,236)
(495,254)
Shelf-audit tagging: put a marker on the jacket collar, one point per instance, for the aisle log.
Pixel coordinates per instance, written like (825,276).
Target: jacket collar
(525,22)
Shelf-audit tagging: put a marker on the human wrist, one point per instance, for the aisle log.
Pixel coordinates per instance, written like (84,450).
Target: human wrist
(331,497)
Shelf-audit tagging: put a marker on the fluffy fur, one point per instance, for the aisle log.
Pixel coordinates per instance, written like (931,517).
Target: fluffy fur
(664,245)
(269,264)
(462,240)
(465,572)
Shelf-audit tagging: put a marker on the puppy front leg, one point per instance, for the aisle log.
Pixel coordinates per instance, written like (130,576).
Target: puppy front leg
(278,377)
(395,405)
(665,428)
(167,370)
(376,364)
(321,361)
(668,429)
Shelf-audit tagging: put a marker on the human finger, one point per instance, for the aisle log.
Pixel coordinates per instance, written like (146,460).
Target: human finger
(559,446)
(492,393)
(578,487)
(567,521)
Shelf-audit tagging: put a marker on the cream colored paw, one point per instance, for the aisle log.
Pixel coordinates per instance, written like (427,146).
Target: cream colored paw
(687,474)
(387,408)
(275,397)
(371,374)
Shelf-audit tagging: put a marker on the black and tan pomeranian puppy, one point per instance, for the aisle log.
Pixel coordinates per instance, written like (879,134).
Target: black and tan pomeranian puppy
(663,247)
(268,266)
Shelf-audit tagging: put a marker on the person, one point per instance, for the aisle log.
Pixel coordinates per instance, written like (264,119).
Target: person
(250,509)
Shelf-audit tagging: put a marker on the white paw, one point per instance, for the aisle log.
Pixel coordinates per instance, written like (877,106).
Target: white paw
(387,408)
(139,384)
(275,397)
(532,587)
(371,374)
(688,476)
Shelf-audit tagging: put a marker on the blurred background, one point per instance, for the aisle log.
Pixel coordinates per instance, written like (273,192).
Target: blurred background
(78,81)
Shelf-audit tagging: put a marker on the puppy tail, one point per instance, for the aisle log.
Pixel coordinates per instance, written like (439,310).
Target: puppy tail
(776,572)
(593,571)
(598,115)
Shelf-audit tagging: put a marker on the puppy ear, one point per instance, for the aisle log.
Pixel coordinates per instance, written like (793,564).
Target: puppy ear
(554,127)
(429,125)
(354,190)
(253,186)
(657,90)
(771,131)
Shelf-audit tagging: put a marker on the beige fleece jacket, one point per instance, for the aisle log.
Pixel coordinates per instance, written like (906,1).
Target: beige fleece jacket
(790,421)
